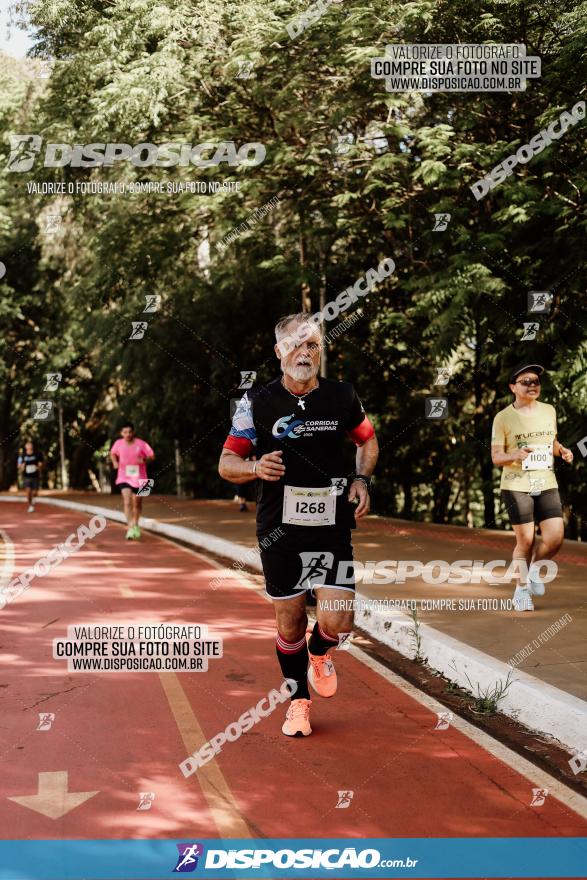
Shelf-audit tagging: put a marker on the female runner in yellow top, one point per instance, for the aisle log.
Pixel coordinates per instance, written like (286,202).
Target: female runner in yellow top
(524,444)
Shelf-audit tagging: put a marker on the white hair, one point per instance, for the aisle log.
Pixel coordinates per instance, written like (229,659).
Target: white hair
(298,318)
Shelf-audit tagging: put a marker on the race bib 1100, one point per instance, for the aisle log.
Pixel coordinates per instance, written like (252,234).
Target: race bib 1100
(539,459)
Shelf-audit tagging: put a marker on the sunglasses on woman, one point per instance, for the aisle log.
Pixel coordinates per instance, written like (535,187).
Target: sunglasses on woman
(529,382)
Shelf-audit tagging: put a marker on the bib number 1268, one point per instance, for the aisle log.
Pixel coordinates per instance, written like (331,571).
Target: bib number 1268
(310,507)
(305,506)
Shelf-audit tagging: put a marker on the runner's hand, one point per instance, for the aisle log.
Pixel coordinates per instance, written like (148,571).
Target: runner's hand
(270,467)
(521,454)
(566,454)
(359,491)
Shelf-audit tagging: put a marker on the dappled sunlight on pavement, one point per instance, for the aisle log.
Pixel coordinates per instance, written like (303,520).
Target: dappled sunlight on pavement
(122,735)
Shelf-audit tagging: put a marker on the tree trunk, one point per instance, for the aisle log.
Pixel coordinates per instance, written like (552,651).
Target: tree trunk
(79,466)
(441,499)
(306,300)
(488,495)
(7,463)
(483,437)
(408,500)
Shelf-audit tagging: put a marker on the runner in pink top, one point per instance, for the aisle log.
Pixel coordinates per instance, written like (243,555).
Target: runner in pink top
(129,456)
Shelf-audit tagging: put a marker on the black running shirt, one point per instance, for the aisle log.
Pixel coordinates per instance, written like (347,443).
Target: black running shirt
(31,463)
(269,418)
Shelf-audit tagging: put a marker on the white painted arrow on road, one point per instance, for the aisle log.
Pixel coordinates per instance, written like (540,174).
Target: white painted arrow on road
(53,799)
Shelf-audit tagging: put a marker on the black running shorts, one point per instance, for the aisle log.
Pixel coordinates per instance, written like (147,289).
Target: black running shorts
(30,483)
(294,563)
(134,489)
(525,508)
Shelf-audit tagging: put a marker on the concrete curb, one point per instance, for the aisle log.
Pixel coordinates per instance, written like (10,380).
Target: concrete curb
(536,704)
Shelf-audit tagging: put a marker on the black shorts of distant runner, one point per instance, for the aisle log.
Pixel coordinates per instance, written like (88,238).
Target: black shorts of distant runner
(31,483)
(134,489)
(525,508)
(303,559)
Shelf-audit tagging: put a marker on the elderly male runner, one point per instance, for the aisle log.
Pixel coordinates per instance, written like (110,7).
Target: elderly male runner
(297,426)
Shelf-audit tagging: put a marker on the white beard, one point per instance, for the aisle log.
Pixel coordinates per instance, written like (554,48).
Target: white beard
(300,373)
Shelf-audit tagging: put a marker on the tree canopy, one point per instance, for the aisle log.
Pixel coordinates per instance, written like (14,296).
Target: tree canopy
(353,174)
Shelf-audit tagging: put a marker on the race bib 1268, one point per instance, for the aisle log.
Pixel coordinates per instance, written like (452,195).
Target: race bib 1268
(309,507)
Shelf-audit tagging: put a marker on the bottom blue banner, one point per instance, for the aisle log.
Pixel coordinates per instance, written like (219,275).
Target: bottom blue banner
(303,858)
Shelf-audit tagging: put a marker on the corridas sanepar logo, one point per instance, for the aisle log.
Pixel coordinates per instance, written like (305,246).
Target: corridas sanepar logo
(25,148)
(285,427)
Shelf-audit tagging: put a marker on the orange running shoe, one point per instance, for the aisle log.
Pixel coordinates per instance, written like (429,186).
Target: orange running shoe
(297,720)
(322,674)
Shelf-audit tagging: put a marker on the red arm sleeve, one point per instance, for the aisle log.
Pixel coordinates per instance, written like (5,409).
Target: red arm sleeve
(241,445)
(362,432)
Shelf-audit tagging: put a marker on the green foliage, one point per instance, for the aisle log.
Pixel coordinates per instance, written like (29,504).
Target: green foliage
(144,70)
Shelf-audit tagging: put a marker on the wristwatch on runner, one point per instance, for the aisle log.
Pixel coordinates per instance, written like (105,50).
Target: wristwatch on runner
(364,479)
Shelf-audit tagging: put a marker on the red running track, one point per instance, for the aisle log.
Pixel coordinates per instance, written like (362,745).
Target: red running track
(119,734)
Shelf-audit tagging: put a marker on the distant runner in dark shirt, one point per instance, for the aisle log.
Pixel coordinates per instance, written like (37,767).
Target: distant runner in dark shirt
(30,465)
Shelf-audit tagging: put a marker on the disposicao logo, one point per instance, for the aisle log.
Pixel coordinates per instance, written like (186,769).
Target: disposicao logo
(25,148)
(187,860)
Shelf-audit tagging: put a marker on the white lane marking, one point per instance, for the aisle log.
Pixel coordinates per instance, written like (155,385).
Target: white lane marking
(53,799)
